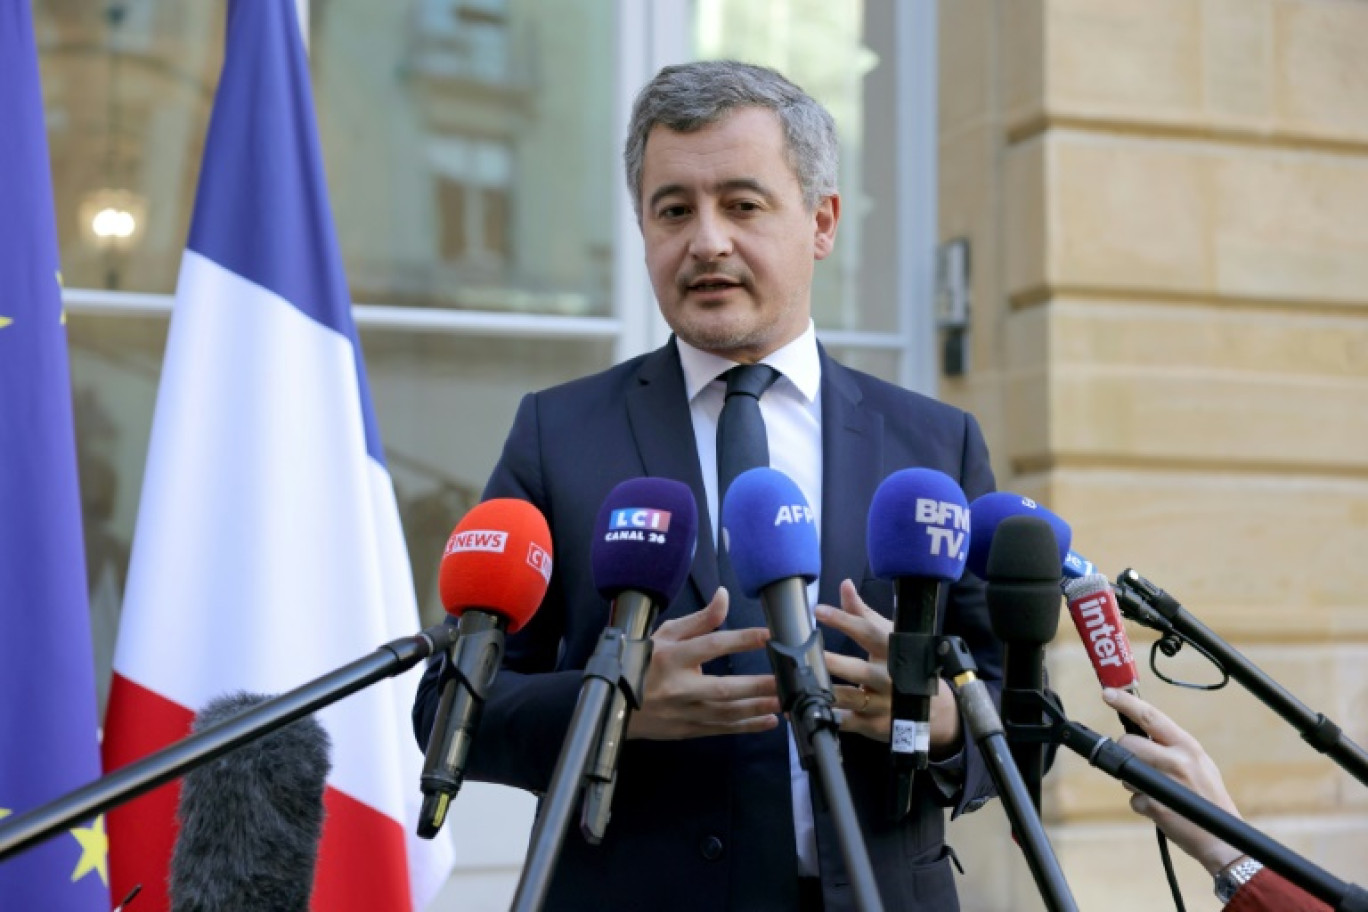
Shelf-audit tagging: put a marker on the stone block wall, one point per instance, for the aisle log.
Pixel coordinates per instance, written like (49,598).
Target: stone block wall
(1167,203)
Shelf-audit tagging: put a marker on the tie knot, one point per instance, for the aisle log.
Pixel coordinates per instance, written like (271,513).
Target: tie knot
(750,379)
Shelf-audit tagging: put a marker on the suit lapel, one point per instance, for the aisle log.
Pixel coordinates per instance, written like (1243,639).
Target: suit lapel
(658,411)
(852,467)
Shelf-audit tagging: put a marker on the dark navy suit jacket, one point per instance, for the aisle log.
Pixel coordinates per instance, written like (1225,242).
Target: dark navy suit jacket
(675,840)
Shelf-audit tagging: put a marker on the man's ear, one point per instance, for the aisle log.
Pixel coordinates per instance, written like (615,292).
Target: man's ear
(824,222)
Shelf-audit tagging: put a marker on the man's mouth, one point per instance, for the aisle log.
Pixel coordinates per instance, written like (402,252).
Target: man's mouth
(713,283)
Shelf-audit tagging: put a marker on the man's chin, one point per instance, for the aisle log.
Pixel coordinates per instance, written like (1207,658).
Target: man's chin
(721,340)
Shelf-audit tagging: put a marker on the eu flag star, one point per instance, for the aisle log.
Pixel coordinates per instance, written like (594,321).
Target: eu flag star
(94,850)
(5,321)
(5,812)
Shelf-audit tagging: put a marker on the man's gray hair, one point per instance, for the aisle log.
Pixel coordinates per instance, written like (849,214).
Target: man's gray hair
(690,96)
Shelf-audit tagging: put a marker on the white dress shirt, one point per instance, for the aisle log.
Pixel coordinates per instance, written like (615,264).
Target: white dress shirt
(792,409)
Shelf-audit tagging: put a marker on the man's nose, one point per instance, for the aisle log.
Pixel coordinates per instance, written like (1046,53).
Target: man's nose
(711,239)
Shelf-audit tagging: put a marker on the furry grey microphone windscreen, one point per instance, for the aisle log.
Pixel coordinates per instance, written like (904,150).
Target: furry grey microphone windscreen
(250,821)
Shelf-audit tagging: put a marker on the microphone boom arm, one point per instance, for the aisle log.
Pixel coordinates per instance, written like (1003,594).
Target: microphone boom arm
(126,783)
(1148,605)
(985,726)
(1113,759)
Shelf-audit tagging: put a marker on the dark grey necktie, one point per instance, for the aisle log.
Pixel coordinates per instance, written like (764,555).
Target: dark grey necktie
(741,445)
(741,441)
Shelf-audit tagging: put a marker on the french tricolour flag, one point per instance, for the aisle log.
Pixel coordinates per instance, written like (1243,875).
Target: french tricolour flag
(268,548)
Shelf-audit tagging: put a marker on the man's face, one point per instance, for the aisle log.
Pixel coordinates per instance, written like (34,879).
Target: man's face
(729,244)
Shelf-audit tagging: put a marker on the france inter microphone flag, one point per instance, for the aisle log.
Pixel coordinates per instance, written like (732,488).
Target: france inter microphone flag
(47,676)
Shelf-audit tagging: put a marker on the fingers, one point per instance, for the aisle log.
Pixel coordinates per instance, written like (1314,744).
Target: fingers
(708,646)
(741,711)
(741,727)
(858,621)
(859,672)
(719,689)
(700,622)
(1158,726)
(855,700)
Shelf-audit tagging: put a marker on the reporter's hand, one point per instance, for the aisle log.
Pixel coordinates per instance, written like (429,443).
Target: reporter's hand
(1178,755)
(867,707)
(680,701)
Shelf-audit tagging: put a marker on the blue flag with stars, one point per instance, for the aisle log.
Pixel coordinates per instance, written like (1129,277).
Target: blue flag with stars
(47,688)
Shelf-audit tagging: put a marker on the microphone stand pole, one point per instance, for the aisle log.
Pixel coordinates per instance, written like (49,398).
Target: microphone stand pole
(1113,759)
(805,694)
(124,784)
(985,727)
(618,664)
(1147,604)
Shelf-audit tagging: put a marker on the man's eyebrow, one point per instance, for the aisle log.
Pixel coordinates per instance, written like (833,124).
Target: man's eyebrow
(732,184)
(662,192)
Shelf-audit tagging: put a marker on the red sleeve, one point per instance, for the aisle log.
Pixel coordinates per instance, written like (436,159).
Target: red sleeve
(1267,892)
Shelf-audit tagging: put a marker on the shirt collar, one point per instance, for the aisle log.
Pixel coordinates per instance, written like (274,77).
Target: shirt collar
(797,361)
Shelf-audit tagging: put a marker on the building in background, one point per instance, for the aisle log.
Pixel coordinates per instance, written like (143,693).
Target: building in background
(1164,207)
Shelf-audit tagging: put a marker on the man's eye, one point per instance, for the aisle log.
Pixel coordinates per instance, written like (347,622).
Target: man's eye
(673,212)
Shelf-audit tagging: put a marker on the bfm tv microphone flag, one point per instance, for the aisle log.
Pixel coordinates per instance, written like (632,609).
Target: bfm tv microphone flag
(47,677)
(268,548)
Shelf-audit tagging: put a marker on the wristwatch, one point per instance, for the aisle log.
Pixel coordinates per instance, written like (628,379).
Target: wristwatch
(1234,876)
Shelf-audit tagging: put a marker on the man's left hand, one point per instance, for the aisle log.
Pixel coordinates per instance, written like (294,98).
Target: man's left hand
(865,705)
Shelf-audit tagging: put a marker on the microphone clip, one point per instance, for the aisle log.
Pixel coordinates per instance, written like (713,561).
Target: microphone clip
(914,670)
(622,661)
(804,691)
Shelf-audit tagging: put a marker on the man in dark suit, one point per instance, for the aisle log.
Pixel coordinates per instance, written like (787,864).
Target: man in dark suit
(733,172)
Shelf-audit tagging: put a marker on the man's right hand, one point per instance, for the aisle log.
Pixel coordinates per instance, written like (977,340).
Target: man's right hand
(683,702)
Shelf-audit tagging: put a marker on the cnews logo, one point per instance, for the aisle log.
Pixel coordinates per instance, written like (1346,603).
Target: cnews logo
(539,559)
(477,541)
(639,518)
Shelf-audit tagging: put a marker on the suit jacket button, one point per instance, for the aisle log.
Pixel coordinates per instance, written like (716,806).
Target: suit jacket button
(710,847)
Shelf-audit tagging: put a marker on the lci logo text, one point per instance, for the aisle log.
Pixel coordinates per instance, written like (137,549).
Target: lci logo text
(477,540)
(640,518)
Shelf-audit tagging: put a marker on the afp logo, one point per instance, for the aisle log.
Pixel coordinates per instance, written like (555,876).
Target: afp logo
(946,525)
(794,513)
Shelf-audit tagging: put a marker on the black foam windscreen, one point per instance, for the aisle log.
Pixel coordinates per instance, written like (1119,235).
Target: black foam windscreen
(251,820)
(1023,581)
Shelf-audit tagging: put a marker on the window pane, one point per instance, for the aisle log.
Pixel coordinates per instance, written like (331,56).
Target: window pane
(445,404)
(469,149)
(127,89)
(840,52)
(115,366)
(882,363)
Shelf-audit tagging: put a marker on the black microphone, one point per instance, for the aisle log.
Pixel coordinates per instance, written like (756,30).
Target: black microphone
(251,821)
(493,577)
(643,547)
(1023,605)
(918,537)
